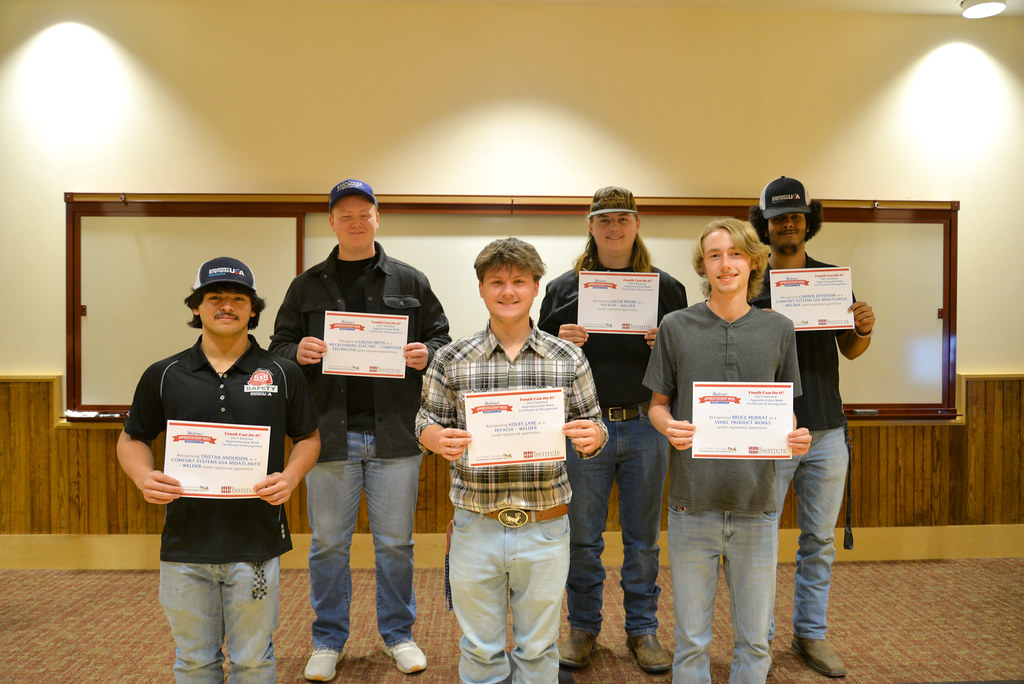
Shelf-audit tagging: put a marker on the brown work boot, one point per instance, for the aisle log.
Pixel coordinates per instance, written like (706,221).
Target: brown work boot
(575,652)
(819,656)
(649,654)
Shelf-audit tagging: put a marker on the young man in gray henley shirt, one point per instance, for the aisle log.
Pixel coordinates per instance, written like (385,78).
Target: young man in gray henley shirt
(721,509)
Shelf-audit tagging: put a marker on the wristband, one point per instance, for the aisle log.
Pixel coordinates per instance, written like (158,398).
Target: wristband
(863,337)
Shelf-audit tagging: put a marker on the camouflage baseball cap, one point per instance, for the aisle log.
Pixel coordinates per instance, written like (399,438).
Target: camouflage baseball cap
(612,199)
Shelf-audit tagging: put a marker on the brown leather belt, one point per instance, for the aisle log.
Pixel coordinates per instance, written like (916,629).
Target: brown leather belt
(617,413)
(517,517)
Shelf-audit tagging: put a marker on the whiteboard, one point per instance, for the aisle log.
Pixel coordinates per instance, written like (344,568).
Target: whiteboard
(137,272)
(897,268)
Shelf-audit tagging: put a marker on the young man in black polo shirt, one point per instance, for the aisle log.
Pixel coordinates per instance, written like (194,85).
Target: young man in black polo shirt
(219,557)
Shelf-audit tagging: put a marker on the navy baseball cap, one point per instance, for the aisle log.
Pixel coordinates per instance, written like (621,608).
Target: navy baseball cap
(784,196)
(351,187)
(225,270)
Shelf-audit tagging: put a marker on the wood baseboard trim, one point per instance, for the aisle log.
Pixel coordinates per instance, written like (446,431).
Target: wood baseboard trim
(141,551)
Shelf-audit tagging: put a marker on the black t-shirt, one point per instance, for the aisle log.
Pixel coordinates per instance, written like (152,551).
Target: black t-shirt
(351,278)
(820,407)
(260,389)
(617,361)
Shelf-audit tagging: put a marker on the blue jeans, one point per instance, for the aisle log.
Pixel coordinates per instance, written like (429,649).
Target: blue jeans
(748,546)
(636,456)
(333,492)
(818,479)
(493,567)
(204,604)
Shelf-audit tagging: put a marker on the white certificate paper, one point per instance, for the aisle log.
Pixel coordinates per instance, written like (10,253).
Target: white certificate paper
(216,460)
(813,298)
(613,302)
(742,420)
(509,427)
(365,344)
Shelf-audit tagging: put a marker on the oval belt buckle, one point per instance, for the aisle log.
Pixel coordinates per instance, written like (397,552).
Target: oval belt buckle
(513,517)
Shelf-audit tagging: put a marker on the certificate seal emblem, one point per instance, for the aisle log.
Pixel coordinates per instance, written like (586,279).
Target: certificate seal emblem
(513,517)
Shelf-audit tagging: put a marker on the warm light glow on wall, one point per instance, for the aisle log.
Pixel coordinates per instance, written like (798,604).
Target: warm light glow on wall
(956,103)
(522,146)
(72,90)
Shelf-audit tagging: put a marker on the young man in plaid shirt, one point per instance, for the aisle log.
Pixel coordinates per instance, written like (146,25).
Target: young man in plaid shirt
(510,544)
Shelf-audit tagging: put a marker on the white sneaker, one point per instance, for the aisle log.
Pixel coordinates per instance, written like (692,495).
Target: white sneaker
(321,665)
(408,657)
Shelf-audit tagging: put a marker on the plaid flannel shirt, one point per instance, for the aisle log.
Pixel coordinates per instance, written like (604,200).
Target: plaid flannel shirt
(479,364)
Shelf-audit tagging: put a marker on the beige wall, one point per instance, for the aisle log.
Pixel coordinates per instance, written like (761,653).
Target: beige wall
(466,98)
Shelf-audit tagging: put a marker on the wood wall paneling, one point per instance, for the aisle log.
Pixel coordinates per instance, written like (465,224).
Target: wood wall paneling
(63,478)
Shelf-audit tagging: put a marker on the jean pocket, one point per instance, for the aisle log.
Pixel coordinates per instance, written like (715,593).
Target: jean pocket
(554,529)
(463,519)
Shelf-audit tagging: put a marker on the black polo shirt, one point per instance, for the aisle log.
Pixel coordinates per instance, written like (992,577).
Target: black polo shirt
(260,389)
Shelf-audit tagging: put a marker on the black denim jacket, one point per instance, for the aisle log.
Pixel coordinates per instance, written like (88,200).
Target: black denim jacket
(392,287)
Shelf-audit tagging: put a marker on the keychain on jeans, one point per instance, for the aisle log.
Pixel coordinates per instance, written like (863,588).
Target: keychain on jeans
(259,581)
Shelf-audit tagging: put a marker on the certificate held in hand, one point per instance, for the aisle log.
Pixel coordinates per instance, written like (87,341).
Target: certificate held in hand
(216,460)
(618,302)
(368,345)
(813,298)
(742,420)
(515,427)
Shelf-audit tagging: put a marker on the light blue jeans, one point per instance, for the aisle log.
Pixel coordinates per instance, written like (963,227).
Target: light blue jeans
(492,568)
(206,603)
(748,546)
(333,492)
(818,480)
(636,456)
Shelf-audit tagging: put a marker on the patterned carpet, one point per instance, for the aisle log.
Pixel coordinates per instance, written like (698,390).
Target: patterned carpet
(924,621)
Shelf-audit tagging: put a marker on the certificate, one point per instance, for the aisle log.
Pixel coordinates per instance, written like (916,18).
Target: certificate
(216,460)
(813,298)
(515,427)
(742,420)
(365,344)
(614,302)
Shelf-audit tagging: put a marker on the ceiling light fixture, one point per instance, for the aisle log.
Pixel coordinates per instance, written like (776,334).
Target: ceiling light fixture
(979,9)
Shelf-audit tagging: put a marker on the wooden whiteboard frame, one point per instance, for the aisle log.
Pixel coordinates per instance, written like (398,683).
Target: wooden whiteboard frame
(78,205)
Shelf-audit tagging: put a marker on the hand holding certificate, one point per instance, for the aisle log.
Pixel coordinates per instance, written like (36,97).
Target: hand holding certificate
(216,460)
(742,420)
(365,344)
(515,427)
(616,302)
(813,298)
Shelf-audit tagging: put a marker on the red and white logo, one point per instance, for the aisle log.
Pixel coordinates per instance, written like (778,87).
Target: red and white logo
(261,383)
(261,377)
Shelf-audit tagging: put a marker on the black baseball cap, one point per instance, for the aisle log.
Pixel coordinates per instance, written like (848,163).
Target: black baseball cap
(225,270)
(784,196)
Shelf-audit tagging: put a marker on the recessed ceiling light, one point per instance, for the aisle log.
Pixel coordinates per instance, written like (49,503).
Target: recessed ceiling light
(979,9)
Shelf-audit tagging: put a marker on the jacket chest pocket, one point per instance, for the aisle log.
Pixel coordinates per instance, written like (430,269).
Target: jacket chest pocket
(404,305)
